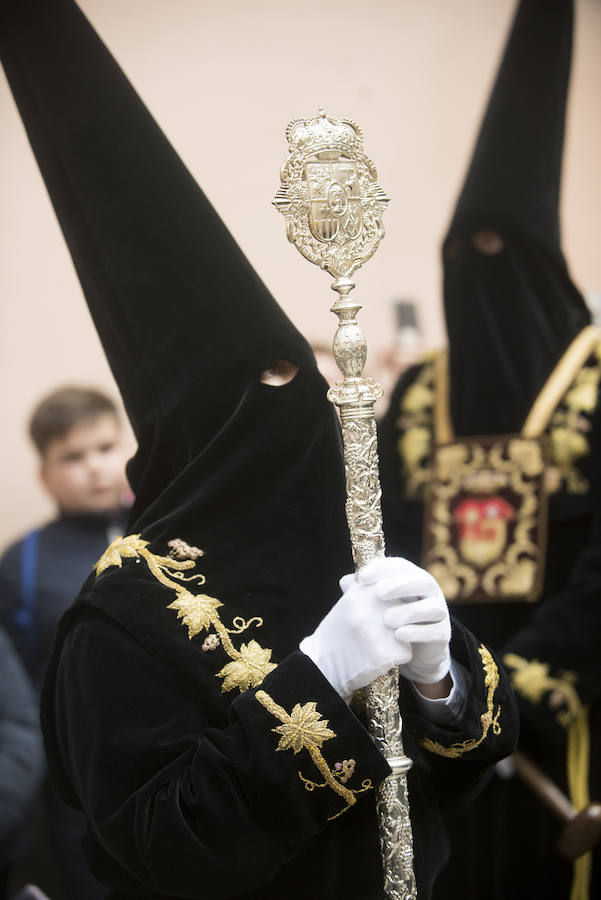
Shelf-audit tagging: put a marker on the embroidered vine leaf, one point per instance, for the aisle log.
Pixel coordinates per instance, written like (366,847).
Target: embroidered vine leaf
(532,679)
(121,547)
(304,729)
(415,444)
(249,669)
(418,397)
(585,394)
(196,611)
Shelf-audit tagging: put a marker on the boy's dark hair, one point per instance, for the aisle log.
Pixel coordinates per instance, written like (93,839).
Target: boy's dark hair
(61,410)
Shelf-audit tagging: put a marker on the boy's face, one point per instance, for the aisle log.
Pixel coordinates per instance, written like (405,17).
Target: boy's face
(84,470)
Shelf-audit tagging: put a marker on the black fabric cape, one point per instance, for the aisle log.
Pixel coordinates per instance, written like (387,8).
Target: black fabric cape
(162,703)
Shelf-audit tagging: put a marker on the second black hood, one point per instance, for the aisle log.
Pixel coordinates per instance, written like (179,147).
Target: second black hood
(511,308)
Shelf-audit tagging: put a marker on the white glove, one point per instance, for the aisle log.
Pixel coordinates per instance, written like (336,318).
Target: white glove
(391,613)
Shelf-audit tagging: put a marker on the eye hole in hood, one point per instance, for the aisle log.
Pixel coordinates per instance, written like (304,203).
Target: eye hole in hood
(278,373)
(488,242)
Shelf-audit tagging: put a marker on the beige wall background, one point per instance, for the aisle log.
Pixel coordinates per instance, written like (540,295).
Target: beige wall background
(223,78)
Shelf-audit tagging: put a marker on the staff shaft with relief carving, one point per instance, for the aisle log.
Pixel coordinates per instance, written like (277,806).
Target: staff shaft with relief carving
(333,207)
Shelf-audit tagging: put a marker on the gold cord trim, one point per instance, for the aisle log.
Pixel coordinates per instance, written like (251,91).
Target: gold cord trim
(577,764)
(443,428)
(560,379)
(198,612)
(532,680)
(304,729)
(555,387)
(570,426)
(488,719)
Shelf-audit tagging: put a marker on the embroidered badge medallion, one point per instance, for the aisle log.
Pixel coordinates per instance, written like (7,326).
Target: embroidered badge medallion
(485,522)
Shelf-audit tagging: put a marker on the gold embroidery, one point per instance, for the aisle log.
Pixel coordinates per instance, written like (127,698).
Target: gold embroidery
(424,414)
(443,427)
(569,426)
(181,550)
(248,669)
(488,719)
(560,379)
(532,680)
(344,770)
(563,409)
(211,642)
(134,547)
(366,785)
(415,422)
(484,529)
(198,612)
(305,729)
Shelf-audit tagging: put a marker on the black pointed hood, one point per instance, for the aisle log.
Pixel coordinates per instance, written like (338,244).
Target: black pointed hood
(510,305)
(514,175)
(252,473)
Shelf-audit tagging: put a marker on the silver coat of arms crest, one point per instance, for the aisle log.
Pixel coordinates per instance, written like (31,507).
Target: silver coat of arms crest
(334,198)
(329,195)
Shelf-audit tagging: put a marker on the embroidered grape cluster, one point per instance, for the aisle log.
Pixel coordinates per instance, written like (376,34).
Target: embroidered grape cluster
(211,642)
(344,770)
(181,550)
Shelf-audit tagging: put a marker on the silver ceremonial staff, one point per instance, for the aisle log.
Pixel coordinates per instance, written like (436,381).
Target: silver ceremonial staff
(333,208)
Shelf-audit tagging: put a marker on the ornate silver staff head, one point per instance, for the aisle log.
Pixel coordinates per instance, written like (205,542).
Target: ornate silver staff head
(333,208)
(329,195)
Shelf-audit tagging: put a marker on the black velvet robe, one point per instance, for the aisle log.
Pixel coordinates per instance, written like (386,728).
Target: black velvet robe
(512,310)
(505,842)
(184,786)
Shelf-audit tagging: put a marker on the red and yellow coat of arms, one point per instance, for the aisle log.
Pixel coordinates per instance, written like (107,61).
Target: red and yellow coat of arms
(485,523)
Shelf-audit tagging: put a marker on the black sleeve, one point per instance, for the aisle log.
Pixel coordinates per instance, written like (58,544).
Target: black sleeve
(21,755)
(460,758)
(555,660)
(169,797)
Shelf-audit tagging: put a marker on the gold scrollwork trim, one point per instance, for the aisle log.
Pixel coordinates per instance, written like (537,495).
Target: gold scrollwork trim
(488,719)
(198,612)
(570,424)
(415,424)
(531,678)
(305,729)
